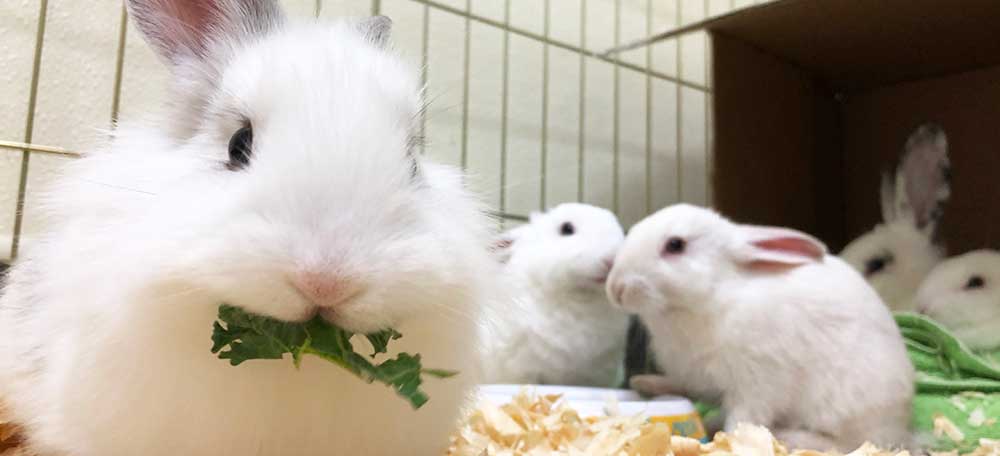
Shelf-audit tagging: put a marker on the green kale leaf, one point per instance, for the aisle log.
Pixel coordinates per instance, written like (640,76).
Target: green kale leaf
(240,336)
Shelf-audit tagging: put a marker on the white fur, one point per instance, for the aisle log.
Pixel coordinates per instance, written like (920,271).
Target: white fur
(913,255)
(559,328)
(105,323)
(972,314)
(912,204)
(803,346)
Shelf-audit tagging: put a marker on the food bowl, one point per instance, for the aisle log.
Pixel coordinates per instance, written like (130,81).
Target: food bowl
(675,411)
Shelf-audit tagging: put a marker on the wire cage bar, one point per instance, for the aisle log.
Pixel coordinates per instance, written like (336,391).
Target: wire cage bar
(467,13)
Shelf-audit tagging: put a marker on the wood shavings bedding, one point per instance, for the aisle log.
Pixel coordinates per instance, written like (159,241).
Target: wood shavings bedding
(544,425)
(9,438)
(533,425)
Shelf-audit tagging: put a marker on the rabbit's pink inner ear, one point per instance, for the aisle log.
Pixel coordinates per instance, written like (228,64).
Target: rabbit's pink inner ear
(184,29)
(501,248)
(176,28)
(502,244)
(793,246)
(776,247)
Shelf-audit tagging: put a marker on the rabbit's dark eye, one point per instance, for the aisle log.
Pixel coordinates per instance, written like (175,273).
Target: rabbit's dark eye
(975,282)
(877,264)
(674,246)
(567,229)
(240,148)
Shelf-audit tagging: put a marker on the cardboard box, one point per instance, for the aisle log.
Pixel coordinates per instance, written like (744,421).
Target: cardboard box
(813,99)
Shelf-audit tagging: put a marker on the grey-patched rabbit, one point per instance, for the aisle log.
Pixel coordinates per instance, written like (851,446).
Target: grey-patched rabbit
(282,180)
(896,255)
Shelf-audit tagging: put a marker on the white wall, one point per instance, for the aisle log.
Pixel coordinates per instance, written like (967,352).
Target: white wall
(76,89)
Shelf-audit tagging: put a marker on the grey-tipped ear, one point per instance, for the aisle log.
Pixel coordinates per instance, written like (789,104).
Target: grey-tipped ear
(924,176)
(184,29)
(377,29)
(887,194)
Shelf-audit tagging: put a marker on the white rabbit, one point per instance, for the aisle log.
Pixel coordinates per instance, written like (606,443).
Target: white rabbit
(764,321)
(961,293)
(896,255)
(283,181)
(559,328)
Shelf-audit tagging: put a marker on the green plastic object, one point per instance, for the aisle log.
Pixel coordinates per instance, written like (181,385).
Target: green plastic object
(953,382)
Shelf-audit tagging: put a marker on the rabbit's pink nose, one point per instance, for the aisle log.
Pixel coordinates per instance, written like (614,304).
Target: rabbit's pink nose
(326,289)
(609,262)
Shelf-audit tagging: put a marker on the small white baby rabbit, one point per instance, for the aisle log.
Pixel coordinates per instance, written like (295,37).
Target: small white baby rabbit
(764,321)
(961,293)
(896,255)
(560,328)
(283,181)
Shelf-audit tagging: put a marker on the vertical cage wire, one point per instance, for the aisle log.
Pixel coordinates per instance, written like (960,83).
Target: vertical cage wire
(507,28)
(116,96)
(466,59)
(27,148)
(708,152)
(616,113)
(582,137)
(708,116)
(424,54)
(543,194)
(504,108)
(648,159)
(29,127)
(679,152)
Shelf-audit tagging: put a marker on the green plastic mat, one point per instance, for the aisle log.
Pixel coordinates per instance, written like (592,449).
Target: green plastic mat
(955,385)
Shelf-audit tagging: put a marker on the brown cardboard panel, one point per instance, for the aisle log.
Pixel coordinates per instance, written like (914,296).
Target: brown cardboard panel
(777,158)
(867,43)
(967,105)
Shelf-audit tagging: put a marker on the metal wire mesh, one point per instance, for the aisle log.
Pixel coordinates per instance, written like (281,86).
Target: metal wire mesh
(468,16)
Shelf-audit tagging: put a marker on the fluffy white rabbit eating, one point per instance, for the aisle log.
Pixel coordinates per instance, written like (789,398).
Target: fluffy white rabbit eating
(764,321)
(961,293)
(897,254)
(282,179)
(559,328)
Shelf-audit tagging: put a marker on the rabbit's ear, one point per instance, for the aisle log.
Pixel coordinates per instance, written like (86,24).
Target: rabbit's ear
(503,245)
(377,30)
(765,246)
(185,29)
(887,198)
(923,179)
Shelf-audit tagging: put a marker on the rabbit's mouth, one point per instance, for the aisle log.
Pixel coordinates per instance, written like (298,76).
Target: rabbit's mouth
(600,279)
(339,314)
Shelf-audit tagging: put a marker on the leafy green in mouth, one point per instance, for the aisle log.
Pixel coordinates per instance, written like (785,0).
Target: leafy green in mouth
(240,336)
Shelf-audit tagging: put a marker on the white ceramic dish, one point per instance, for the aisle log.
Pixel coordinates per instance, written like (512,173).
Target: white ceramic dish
(571,393)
